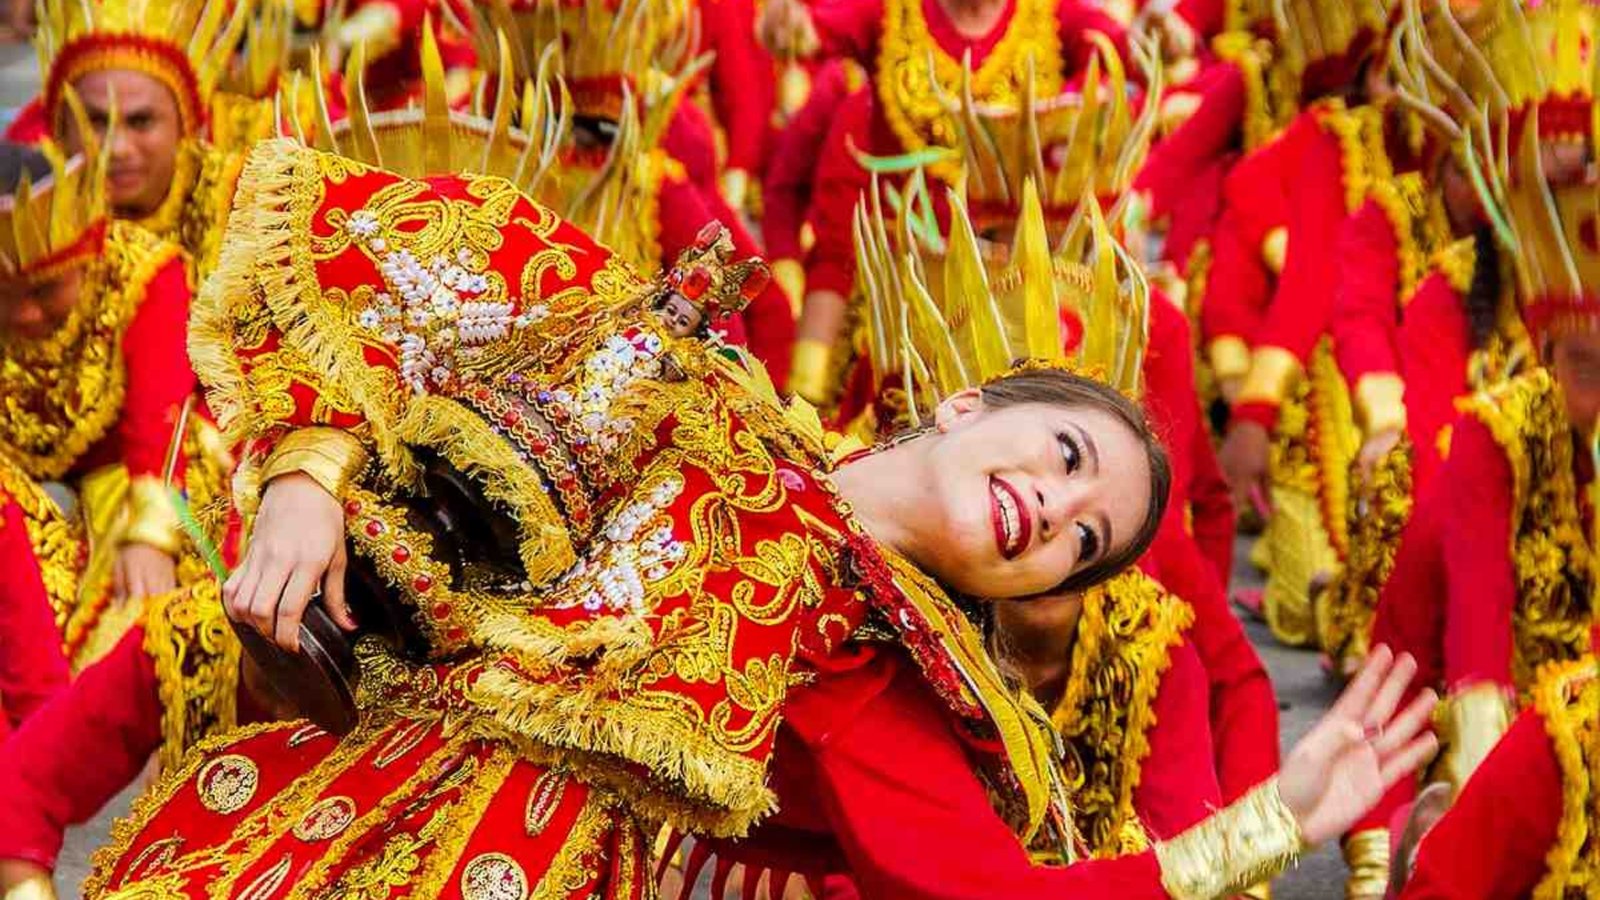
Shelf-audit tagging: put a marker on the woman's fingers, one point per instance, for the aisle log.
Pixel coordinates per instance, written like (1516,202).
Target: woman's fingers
(1400,729)
(265,595)
(1393,688)
(333,596)
(1357,697)
(297,594)
(1408,759)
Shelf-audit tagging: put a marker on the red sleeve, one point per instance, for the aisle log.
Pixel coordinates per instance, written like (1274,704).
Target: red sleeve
(744,83)
(1244,710)
(1302,302)
(1481,583)
(1178,780)
(840,183)
(159,377)
(786,186)
(1494,840)
(768,322)
(849,28)
(1212,519)
(1365,318)
(1236,288)
(32,665)
(1169,393)
(1206,17)
(690,141)
(1208,134)
(872,772)
(78,751)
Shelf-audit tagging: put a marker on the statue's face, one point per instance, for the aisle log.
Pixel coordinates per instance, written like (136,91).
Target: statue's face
(144,145)
(680,316)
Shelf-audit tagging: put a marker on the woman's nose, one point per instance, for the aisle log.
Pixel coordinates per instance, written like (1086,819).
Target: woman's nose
(1056,506)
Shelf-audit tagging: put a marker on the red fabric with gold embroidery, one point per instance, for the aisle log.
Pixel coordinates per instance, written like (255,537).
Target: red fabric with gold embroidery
(32,666)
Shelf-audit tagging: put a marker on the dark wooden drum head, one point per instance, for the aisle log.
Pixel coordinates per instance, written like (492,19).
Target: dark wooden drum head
(319,682)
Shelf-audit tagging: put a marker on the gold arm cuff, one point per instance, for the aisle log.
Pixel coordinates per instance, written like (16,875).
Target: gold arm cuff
(1230,357)
(1469,723)
(808,374)
(735,185)
(332,458)
(1366,855)
(1380,402)
(375,24)
(1275,249)
(1273,372)
(152,519)
(791,277)
(34,887)
(1247,842)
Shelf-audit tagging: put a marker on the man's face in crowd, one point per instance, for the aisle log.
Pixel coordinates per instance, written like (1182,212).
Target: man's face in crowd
(144,148)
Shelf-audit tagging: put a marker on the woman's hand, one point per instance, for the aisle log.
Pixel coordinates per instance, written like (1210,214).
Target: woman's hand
(142,571)
(1361,747)
(296,547)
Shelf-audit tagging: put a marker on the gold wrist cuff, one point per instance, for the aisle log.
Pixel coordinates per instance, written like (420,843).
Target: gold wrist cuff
(152,519)
(791,277)
(808,373)
(1247,842)
(1275,249)
(332,458)
(34,887)
(1366,854)
(735,185)
(1230,357)
(1380,403)
(1469,723)
(1273,372)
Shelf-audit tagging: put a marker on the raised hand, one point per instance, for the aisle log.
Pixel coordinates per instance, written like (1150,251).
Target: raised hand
(296,552)
(1361,747)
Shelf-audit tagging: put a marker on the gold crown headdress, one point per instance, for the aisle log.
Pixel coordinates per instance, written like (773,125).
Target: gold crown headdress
(606,50)
(1085,143)
(516,137)
(53,224)
(185,44)
(1510,77)
(1324,42)
(951,311)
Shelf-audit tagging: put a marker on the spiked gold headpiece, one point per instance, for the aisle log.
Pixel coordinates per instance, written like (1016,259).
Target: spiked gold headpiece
(184,44)
(56,223)
(606,49)
(433,139)
(1512,78)
(950,311)
(1324,42)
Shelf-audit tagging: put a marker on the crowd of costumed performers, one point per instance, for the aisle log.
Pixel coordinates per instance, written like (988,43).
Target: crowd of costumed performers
(797,450)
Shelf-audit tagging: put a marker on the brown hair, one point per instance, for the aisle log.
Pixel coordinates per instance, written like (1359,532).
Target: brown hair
(1058,387)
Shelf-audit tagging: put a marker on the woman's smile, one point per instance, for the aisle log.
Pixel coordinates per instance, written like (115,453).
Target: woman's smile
(1013,525)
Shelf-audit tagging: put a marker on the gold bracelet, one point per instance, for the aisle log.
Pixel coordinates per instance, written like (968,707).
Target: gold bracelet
(1249,841)
(152,519)
(1469,723)
(1380,403)
(1230,357)
(331,457)
(1366,854)
(34,887)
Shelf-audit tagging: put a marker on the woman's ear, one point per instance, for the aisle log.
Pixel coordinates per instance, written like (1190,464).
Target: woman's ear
(957,408)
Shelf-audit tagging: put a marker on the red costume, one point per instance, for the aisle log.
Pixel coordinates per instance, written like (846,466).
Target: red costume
(712,742)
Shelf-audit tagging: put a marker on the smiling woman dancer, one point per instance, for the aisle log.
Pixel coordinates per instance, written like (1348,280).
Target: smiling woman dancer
(711,615)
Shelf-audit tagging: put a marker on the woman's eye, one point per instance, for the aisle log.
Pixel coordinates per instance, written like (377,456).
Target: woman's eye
(1088,543)
(1069,452)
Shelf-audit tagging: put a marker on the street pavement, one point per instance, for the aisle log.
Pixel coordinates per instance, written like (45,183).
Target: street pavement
(1303,690)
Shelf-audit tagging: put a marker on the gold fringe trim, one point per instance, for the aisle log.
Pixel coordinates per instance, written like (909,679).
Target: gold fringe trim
(1567,699)
(196,659)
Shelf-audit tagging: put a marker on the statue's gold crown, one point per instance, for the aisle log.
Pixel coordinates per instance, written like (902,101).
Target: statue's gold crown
(185,44)
(948,311)
(52,224)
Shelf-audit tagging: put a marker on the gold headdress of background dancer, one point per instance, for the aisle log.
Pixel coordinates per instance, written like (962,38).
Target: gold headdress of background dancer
(187,45)
(511,132)
(948,311)
(624,65)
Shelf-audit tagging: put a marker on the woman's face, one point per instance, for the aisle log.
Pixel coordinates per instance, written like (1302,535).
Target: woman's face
(1022,497)
(1575,361)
